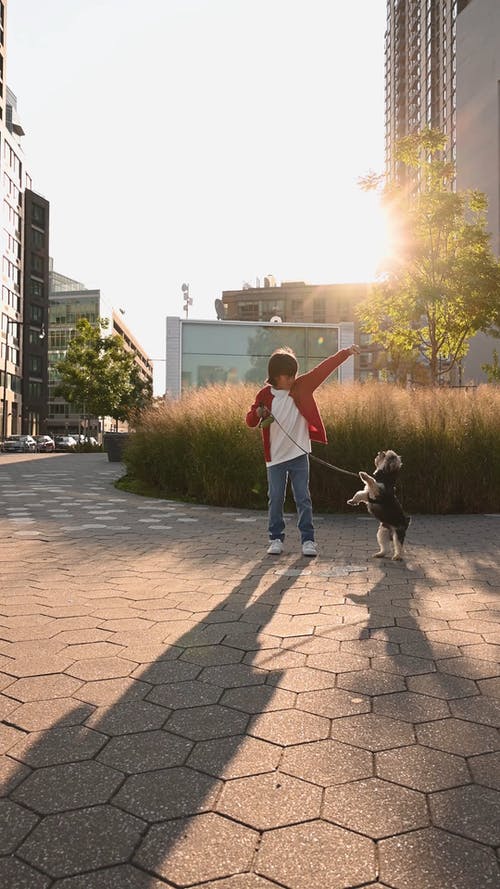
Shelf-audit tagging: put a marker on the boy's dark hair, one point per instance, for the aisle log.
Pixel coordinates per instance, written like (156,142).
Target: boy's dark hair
(282,361)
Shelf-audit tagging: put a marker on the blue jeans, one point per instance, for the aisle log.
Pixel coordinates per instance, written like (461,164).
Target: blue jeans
(297,470)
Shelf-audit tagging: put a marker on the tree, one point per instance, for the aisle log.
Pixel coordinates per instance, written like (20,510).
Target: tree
(442,285)
(492,370)
(99,375)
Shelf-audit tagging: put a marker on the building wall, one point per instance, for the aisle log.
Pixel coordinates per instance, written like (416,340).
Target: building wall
(200,353)
(478,132)
(420,72)
(296,302)
(66,307)
(35,313)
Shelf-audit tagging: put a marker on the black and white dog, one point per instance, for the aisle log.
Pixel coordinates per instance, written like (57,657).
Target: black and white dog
(380,497)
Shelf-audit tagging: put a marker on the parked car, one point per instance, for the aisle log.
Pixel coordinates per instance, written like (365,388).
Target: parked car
(45,444)
(65,442)
(84,439)
(20,444)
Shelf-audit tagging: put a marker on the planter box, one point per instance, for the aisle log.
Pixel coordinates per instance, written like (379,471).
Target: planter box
(115,444)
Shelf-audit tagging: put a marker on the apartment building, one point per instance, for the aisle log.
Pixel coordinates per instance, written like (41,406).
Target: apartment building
(24,249)
(69,301)
(420,72)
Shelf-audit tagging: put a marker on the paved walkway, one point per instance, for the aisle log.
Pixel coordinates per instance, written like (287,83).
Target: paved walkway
(182,710)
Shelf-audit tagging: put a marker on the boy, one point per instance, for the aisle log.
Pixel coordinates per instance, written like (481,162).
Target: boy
(289,400)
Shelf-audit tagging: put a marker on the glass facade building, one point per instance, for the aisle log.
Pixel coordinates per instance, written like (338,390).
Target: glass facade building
(200,353)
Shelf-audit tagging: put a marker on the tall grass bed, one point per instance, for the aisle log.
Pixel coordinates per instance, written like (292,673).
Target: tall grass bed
(199,448)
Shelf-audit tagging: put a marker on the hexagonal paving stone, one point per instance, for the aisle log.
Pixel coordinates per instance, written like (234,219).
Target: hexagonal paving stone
(94,650)
(125,719)
(146,751)
(442,685)
(333,702)
(338,662)
(369,647)
(436,859)
(233,675)
(167,671)
(212,655)
(403,665)
(411,707)
(275,659)
(202,723)
(37,666)
(258,698)
(458,736)
(288,727)
(15,873)
(470,668)
(371,682)
(489,687)
(71,786)
(89,838)
(197,849)
(178,695)
(372,732)
(37,715)
(471,811)
(123,876)
(422,768)
(234,757)
(12,773)
(270,800)
(316,854)
(240,881)
(302,679)
(166,794)
(15,824)
(101,668)
(477,709)
(43,688)
(327,762)
(486,769)
(109,691)
(375,808)
(58,745)
(485,651)
(7,706)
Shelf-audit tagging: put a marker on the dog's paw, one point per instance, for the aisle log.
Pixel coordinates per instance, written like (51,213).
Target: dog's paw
(379,555)
(363,475)
(351,503)
(397,558)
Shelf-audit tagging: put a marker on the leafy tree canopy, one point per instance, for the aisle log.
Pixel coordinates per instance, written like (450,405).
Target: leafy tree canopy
(99,375)
(442,284)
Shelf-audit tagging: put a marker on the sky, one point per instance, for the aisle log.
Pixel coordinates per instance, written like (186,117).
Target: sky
(207,142)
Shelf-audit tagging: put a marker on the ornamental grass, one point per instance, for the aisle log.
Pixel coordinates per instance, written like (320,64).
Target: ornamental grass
(200,449)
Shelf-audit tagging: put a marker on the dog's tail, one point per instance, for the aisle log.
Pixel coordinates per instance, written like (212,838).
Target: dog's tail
(402,529)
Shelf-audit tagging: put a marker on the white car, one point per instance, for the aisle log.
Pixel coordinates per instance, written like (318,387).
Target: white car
(20,444)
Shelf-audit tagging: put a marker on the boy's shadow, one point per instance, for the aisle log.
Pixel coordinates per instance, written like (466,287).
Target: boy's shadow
(107,795)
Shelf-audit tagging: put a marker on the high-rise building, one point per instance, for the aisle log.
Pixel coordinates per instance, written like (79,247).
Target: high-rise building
(442,69)
(24,248)
(420,72)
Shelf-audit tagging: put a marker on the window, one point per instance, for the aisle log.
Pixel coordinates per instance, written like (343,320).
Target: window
(37,289)
(38,239)
(34,390)
(38,215)
(35,366)
(37,264)
(36,314)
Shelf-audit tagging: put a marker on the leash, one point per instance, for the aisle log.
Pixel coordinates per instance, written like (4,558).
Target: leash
(271,418)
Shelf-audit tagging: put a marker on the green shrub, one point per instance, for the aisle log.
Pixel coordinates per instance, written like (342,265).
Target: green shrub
(199,448)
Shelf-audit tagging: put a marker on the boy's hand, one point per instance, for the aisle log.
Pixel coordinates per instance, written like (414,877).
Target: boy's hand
(262,412)
(354,349)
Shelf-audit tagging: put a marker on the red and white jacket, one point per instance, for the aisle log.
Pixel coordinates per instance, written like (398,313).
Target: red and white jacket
(302,393)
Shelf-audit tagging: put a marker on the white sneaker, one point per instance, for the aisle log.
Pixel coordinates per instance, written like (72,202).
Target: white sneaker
(309,548)
(275,547)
